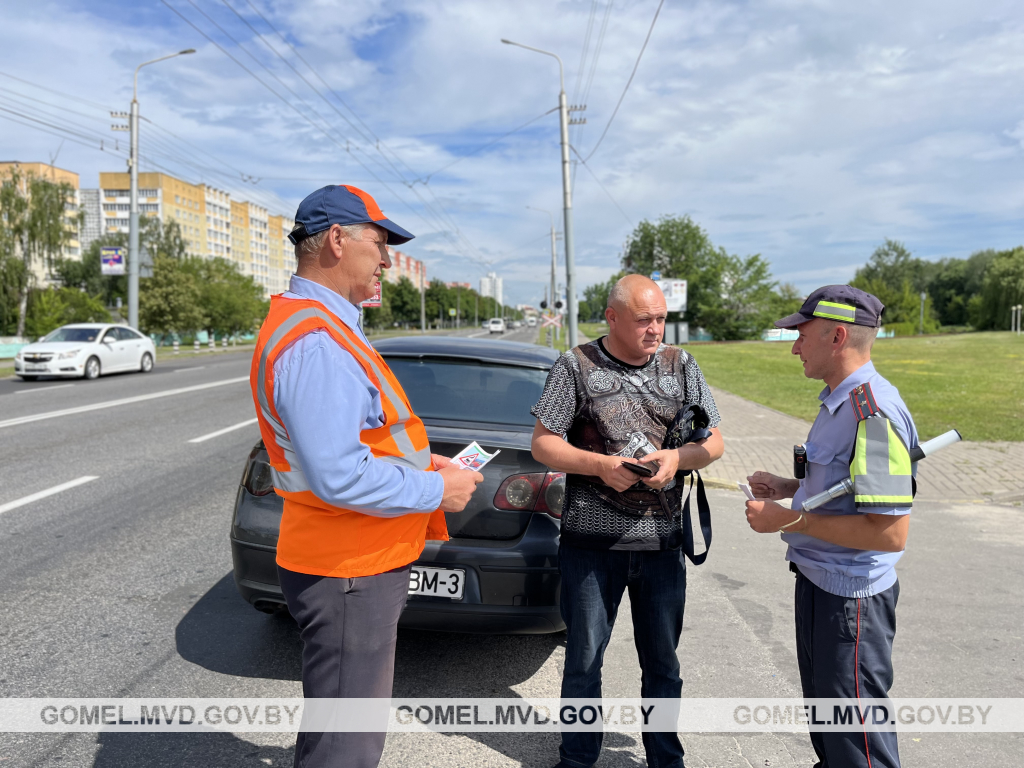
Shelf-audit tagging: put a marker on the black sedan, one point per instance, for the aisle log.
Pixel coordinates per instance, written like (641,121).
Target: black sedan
(499,571)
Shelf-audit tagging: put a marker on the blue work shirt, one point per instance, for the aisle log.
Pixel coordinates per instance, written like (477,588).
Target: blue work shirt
(841,570)
(325,399)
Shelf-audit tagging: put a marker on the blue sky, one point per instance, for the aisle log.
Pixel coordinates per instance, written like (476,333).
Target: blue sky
(807,132)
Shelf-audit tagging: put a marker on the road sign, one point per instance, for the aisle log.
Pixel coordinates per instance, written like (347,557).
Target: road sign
(675,294)
(112,260)
(451,312)
(554,321)
(373,301)
(656,276)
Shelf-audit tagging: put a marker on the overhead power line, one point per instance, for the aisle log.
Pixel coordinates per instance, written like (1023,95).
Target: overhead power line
(443,225)
(602,186)
(628,82)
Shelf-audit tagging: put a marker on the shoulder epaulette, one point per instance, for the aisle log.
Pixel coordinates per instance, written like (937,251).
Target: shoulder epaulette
(863,402)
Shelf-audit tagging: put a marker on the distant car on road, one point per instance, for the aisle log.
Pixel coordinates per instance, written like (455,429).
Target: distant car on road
(86,350)
(531,322)
(517,323)
(499,571)
(496,325)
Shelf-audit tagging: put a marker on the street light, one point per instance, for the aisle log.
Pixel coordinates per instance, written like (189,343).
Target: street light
(554,260)
(570,262)
(133,215)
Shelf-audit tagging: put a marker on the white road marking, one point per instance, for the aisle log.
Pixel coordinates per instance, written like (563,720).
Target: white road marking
(42,389)
(195,368)
(115,403)
(48,492)
(224,431)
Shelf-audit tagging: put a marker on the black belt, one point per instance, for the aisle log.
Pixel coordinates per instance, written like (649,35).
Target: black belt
(793,568)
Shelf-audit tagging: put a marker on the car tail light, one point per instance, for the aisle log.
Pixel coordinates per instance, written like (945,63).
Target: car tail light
(257,479)
(533,492)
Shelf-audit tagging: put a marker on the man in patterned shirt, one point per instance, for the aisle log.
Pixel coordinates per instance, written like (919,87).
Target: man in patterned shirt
(606,404)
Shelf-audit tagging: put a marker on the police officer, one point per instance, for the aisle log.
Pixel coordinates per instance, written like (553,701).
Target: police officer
(844,553)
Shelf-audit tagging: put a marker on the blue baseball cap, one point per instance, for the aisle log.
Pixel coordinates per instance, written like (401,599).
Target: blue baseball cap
(344,205)
(838,302)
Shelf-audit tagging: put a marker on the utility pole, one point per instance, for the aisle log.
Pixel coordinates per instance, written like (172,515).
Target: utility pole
(458,306)
(476,310)
(923,296)
(133,209)
(570,261)
(554,253)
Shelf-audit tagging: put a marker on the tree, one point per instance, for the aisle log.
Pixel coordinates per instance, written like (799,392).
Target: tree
(1003,288)
(743,306)
(596,296)
(405,301)
(891,265)
(786,300)
(955,282)
(169,300)
(35,229)
(729,296)
(231,303)
(54,307)
(87,273)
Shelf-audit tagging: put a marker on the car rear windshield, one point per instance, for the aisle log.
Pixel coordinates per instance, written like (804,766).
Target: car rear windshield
(468,391)
(72,334)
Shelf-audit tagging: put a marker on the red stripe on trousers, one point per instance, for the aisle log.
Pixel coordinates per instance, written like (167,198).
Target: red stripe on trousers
(856,679)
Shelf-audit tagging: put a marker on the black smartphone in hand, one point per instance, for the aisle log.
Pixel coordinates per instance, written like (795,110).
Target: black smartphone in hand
(644,470)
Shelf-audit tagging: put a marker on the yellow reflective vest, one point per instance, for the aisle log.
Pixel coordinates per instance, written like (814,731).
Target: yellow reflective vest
(880,467)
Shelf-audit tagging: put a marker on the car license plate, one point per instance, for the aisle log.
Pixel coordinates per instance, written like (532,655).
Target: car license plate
(437,582)
(32,367)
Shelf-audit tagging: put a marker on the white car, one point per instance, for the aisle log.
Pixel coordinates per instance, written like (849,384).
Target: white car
(531,322)
(86,349)
(496,325)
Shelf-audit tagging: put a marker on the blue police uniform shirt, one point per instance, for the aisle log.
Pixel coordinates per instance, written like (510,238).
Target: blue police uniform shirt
(835,569)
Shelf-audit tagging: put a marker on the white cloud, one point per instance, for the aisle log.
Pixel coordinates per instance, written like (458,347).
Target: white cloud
(804,131)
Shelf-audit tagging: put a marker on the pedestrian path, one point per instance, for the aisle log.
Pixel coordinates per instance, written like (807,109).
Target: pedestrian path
(758,437)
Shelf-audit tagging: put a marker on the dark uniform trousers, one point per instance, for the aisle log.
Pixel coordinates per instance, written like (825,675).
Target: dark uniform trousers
(844,649)
(349,629)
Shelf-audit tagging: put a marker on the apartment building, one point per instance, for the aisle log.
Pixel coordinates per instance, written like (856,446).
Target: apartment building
(492,285)
(218,222)
(72,248)
(250,241)
(404,265)
(282,253)
(161,196)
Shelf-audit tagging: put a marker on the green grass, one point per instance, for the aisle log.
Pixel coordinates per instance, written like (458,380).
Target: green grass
(973,382)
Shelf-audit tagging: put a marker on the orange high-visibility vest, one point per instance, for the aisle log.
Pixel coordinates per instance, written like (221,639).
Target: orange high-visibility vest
(316,537)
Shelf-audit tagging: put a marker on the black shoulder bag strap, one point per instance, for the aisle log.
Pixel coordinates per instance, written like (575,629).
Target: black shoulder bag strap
(703,514)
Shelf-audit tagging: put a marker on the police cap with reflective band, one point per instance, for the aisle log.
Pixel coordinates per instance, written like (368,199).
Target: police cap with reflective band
(342,204)
(838,302)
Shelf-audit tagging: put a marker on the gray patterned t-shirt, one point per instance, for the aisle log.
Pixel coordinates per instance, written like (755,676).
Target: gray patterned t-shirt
(588,520)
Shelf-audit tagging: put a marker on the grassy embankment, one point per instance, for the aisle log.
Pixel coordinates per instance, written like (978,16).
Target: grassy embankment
(973,382)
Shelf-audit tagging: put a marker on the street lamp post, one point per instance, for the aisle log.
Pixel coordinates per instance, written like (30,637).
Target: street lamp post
(133,214)
(570,262)
(554,260)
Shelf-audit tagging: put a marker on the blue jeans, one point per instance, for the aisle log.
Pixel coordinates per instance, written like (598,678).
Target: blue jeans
(592,585)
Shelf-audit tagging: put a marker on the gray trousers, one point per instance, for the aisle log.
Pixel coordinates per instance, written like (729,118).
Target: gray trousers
(349,628)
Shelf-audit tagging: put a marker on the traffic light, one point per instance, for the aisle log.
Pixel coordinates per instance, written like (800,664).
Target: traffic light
(543,305)
(558,305)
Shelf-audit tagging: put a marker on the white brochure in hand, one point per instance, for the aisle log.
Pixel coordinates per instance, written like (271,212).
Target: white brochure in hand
(746,490)
(473,457)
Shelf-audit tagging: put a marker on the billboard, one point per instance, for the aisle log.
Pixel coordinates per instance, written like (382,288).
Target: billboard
(675,294)
(112,260)
(373,301)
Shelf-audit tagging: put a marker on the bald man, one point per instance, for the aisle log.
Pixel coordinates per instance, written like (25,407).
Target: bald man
(607,405)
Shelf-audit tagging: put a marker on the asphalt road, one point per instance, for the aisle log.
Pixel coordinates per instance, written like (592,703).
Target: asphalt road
(121,586)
